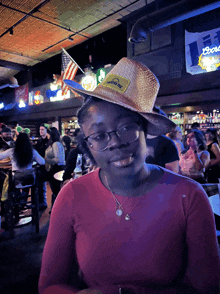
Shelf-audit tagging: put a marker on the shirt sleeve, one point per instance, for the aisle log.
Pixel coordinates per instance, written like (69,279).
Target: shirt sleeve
(6,153)
(59,257)
(39,159)
(203,269)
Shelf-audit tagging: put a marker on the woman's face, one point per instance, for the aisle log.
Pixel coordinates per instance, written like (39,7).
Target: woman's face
(179,134)
(209,136)
(191,140)
(120,158)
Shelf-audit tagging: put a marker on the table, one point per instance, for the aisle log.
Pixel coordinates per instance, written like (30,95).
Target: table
(212,191)
(215,204)
(59,175)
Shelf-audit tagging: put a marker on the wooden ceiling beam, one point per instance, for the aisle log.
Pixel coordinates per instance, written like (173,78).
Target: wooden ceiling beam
(13,65)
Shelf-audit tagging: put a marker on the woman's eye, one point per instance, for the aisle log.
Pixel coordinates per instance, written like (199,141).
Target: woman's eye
(99,137)
(126,128)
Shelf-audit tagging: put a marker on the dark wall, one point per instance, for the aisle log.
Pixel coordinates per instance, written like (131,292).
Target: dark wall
(168,60)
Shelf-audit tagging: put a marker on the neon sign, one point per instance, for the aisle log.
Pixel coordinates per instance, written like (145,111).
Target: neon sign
(55,92)
(208,50)
(209,60)
(89,82)
(202,51)
(21,103)
(38,98)
(100,75)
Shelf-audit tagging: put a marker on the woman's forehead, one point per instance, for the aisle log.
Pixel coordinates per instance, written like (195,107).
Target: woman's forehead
(106,111)
(190,135)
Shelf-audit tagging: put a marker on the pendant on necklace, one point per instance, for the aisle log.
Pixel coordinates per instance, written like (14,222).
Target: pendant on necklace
(119,212)
(127,217)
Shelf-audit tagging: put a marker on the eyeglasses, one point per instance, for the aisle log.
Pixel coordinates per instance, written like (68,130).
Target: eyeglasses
(127,134)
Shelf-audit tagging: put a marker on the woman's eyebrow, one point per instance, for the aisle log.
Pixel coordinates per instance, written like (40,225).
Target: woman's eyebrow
(95,125)
(127,115)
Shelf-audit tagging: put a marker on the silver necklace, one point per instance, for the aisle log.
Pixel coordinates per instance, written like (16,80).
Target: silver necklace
(119,209)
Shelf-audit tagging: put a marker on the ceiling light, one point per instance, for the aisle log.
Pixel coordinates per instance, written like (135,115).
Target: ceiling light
(70,39)
(11,31)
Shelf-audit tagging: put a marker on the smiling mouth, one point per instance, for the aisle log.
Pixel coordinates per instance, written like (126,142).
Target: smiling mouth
(123,162)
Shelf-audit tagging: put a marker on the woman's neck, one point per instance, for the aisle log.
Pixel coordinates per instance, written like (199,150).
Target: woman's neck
(132,186)
(209,142)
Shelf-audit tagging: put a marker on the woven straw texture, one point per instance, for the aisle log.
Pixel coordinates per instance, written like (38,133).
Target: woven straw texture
(141,92)
(132,85)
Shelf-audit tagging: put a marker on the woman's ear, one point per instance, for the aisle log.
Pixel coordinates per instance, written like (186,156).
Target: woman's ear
(83,146)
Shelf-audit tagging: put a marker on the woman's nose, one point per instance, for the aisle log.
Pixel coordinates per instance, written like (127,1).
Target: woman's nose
(114,140)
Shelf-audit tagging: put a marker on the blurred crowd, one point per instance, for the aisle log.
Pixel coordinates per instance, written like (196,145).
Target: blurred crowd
(196,155)
(51,152)
(199,153)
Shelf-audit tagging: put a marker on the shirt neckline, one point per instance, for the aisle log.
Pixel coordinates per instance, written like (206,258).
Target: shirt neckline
(162,179)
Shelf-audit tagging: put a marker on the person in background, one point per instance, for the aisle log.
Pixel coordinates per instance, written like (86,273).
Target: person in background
(195,159)
(128,226)
(72,159)
(195,126)
(6,141)
(176,135)
(162,150)
(55,161)
(2,125)
(22,155)
(14,134)
(213,168)
(67,142)
(41,146)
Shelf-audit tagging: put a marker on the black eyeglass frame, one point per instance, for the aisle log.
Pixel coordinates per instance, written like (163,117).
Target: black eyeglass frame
(116,132)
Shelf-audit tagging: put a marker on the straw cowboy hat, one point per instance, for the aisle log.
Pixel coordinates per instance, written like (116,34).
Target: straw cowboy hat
(132,85)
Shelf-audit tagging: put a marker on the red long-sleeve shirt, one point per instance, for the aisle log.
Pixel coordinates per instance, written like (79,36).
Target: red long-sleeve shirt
(168,246)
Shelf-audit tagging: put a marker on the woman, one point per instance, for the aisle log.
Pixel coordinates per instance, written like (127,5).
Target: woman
(67,142)
(22,155)
(213,169)
(55,161)
(176,135)
(131,227)
(195,159)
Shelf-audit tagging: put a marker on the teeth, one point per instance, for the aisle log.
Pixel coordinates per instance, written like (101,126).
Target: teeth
(123,162)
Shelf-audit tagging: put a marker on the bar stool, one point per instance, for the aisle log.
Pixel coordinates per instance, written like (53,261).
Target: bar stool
(18,200)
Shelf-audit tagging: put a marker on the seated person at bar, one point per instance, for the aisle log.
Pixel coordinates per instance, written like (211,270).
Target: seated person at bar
(128,226)
(22,155)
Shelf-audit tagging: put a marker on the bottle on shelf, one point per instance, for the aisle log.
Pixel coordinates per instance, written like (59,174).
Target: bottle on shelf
(78,169)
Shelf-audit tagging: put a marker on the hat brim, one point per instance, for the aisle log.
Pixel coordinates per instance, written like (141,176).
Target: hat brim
(157,123)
